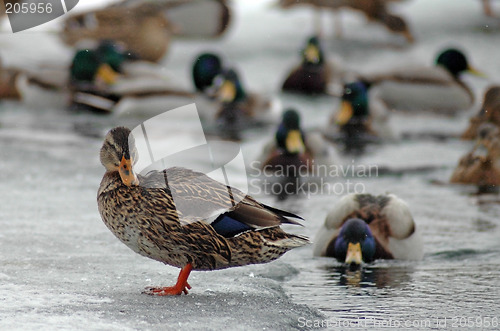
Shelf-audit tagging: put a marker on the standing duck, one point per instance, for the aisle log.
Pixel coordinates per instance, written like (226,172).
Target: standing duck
(437,88)
(363,228)
(489,113)
(313,74)
(184,218)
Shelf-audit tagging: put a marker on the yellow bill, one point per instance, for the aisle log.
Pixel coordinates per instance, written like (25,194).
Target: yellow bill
(354,254)
(106,74)
(227,92)
(126,173)
(345,113)
(312,54)
(475,72)
(294,143)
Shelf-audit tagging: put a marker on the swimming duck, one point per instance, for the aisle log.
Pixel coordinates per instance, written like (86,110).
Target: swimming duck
(293,147)
(489,113)
(477,168)
(363,228)
(436,88)
(208,226)
(374,10)
(360,115)
(105,78)
(313,74)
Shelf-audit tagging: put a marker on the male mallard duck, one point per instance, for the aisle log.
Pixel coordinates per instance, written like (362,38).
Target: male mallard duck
(293,147)
(194,223)
(374,10)
(436,88)
(232,107)
(489,113)
(363,228)
(360,115)
(477,169)
(313,74)
(103,77)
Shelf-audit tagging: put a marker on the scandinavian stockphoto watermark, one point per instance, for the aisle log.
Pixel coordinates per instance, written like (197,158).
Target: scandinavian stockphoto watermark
(27,14)
(310,178)
(176,138)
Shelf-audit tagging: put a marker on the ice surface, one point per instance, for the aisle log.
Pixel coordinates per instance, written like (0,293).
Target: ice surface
(61,269)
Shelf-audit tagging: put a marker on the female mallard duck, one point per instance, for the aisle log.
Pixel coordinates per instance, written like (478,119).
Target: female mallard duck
(489,113)
(374,10)
(143,29)
(313,74)
(363,228)
(477,169)
(436,88)
(184,218)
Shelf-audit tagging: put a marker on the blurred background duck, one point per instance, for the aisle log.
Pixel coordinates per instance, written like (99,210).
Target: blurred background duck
(363,228)
(361,119)
(293,154)
(210,226)
(488,113)
(106,78)
(437,88)
(314,74)
(481,166)
(225,99)
(374,10)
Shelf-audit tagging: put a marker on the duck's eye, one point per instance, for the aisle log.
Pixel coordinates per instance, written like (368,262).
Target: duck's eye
(347,91)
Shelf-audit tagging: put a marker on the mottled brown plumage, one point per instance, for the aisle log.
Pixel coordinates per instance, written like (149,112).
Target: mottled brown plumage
(168,216)
(489,113)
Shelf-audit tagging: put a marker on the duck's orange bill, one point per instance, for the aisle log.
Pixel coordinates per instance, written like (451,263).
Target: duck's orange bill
(106,74)
(126,173)
(345,113)
(312,54)
(227,92)
(354,254)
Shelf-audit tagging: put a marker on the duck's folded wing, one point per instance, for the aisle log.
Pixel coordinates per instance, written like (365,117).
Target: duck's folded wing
(199,198)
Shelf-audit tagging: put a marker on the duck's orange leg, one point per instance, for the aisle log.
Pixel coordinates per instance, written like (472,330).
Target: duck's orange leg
(180,287)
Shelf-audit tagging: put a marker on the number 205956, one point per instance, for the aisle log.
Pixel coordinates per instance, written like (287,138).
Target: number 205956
(25,8)
(475,322)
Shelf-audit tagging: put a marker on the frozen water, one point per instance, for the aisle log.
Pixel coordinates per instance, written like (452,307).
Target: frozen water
(62,269)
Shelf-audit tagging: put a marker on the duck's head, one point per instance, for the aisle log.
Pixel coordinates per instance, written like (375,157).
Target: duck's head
(88,66)
(289,135)
(355,243)
(111,53)
(456,62)
(118,153)
(205,68)
(354,103)
(228,87)
(312,54)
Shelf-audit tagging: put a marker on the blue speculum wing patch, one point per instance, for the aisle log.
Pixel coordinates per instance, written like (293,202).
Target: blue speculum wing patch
(229,227)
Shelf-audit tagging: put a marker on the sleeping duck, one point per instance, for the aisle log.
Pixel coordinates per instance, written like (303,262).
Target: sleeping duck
(184,218)
(479,169)
(361,119)
(489,113)
(363,228)
(436,88)
(374,10)
(313,74)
